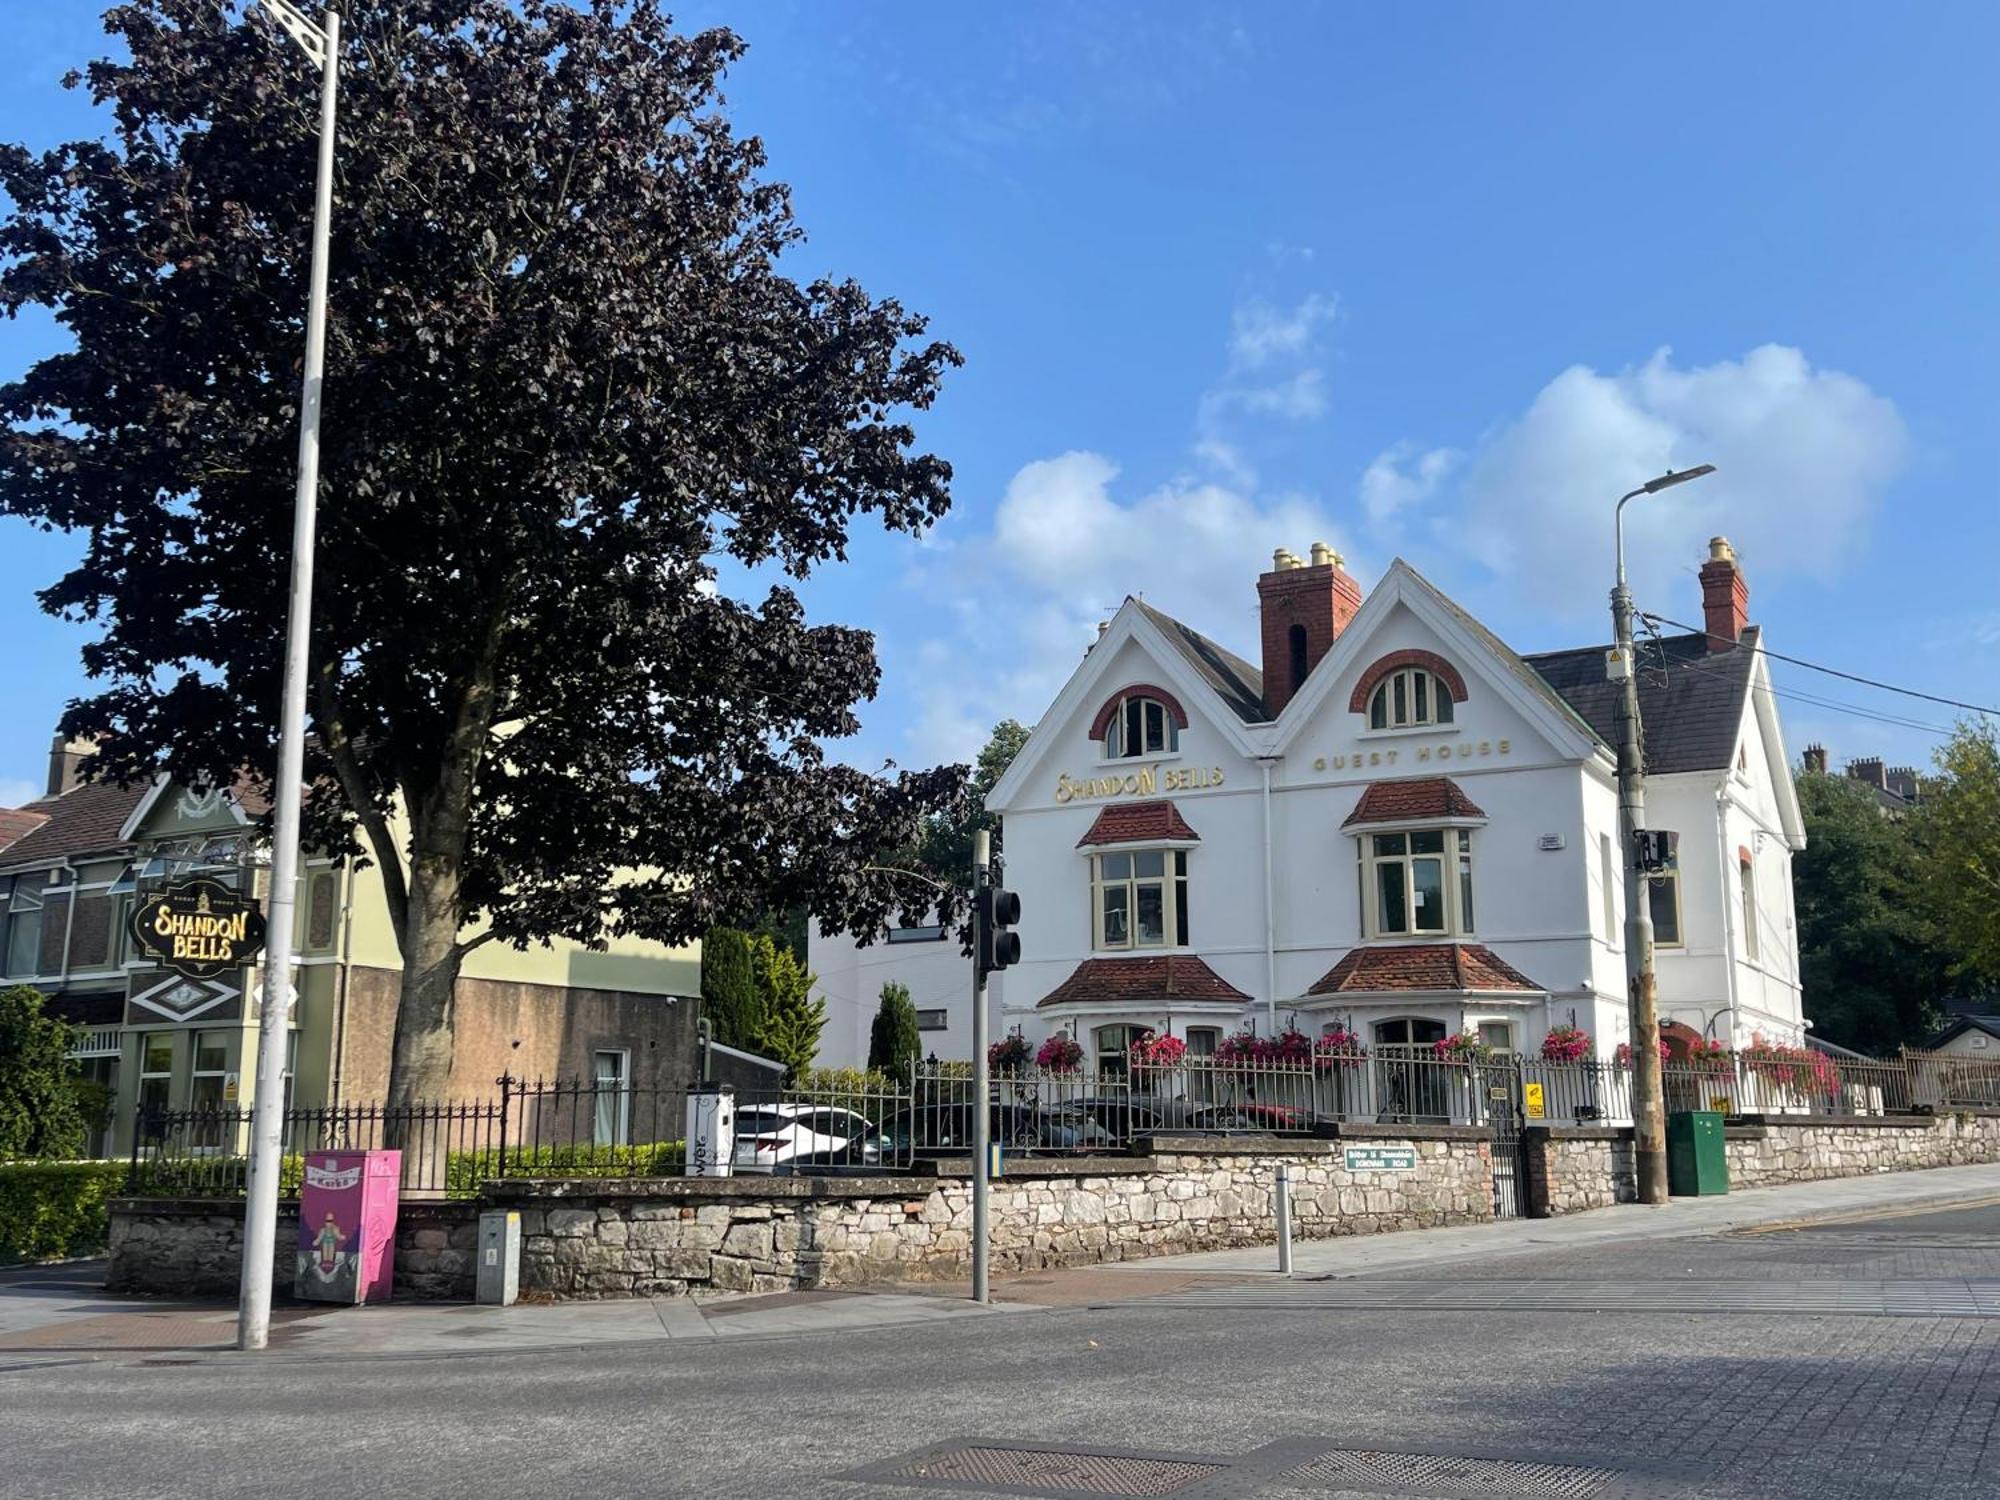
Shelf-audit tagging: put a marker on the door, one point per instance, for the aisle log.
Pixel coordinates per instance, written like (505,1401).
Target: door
(1499,1086)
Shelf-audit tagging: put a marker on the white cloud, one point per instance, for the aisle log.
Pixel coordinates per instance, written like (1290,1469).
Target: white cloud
(1260,333)
(1402,477)
(1803,460)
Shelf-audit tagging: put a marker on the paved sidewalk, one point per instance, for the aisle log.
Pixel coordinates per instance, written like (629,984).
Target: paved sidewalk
(58,1314)
(1682,1218)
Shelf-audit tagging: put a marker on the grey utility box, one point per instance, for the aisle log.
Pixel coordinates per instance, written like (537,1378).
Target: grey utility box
(499,1259)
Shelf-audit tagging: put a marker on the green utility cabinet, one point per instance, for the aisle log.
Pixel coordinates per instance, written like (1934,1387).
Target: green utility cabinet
(1697,1164)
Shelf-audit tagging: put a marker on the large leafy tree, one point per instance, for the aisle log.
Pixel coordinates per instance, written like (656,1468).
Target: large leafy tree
(1872,962)
(1960,824)
(568,373)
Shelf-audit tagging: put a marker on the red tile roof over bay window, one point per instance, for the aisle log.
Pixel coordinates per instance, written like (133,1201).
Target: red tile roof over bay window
(1408,801)
(1422,966)
(1138,823)
(1142,981)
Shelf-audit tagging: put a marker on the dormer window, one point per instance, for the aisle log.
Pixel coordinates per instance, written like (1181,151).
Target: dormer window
(1409,697)
(1139,725)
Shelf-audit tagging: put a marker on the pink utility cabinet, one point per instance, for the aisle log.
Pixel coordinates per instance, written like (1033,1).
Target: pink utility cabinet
(347,1226)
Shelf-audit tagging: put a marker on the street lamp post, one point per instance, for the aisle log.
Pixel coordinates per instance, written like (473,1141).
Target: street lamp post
(321,43)
(1649,1123)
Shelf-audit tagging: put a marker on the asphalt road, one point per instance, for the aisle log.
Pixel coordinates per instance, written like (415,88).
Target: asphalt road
(1699,1402)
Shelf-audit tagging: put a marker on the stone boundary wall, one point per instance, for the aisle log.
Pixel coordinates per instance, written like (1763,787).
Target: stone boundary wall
(618,1237)
(688,1237)
(193,1247)
(1571,1170)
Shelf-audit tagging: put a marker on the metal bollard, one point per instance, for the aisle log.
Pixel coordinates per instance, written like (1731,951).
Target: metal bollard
(1283,1206)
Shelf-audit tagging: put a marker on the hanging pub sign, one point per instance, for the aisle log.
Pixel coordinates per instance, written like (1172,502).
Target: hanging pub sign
(198,928)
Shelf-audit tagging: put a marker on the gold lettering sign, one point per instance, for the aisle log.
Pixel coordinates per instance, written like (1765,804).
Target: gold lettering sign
(198,928)
(1405,755)
(1147,781)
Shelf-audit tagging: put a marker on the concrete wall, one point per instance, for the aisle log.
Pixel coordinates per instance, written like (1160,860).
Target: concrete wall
(193,1247)
(527,1030)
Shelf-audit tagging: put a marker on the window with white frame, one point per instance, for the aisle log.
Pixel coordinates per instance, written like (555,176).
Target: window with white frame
(1498,1036)
(1139,898)
(1407,697)
(1417,883)
(210,1078)
(23,916)
(1663,899)
(156,1071)
(1608,867)
(1140,726)
(1747,873)
(611,1080)
(1114,1045)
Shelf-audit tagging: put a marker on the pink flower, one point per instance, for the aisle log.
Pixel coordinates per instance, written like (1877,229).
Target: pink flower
(1566,1044)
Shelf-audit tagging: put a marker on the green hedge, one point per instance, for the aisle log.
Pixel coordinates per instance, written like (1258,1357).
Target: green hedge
(464,1171)
(55,1210)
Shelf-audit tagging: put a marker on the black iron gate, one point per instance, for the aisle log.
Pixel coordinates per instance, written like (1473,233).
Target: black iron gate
(1500,1083)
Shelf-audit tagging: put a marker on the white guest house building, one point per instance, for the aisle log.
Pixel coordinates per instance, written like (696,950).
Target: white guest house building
(1397,825)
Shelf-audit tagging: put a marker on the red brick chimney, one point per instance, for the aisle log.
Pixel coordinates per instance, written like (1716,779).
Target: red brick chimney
(1305,607)
(1725,596)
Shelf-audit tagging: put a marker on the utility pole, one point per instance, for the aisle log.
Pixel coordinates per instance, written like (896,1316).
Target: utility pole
(982,1123)
(1649,1121)
(320,43)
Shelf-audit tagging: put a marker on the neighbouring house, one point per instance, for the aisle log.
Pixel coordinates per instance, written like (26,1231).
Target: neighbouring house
(86,851)
(849,977)
(1393,824)
(1897,789)
(1973,1030)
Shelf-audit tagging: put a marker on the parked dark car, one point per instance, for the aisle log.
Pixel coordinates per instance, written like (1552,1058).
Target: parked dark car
(945,1129)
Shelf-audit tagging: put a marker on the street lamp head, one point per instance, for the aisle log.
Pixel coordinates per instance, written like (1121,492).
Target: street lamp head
(1669,479)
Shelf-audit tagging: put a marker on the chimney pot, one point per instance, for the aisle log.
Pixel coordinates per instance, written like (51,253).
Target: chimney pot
(1725,596)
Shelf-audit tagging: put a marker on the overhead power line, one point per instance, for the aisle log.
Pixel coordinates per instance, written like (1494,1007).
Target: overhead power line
(1813,666)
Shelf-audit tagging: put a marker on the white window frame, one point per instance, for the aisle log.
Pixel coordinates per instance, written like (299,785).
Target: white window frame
(1174,900)
(1746,871)
(24,902)
(196,1072)
(1671,878)
(1137,710)
(166,1076)
(618,1126)
(1400,690)
(1607,860)
(1488,1030)
(1455,879)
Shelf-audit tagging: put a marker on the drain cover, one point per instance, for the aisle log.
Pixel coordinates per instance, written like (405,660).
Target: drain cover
(1443,1475)
(1051,1471)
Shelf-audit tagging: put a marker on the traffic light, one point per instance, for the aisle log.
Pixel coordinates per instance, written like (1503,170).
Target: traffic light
(994,946)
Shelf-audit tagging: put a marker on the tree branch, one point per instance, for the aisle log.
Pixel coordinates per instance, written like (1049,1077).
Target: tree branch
(354,785)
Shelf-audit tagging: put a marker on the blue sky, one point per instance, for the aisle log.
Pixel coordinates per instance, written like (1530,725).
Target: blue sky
(1431,281)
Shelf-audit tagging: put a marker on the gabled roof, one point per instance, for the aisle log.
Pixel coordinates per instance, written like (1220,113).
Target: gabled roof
(1690,698)
(1959,1026)
(1419,797)
(1139,823)
(1422,966)
(85,819)
(1235,681)
(1142,981)
(16,821)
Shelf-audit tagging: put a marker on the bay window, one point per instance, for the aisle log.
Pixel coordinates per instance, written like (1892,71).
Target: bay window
(1416,883)
(1139,898)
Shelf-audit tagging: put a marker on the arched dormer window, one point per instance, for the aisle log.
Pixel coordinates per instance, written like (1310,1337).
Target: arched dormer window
(1408,688)
(1141,720)
(1410,696)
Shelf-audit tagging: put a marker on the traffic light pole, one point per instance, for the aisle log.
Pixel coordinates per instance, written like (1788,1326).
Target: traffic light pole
(982,1115)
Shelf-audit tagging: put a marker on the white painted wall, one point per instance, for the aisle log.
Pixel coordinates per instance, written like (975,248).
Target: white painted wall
(850,979)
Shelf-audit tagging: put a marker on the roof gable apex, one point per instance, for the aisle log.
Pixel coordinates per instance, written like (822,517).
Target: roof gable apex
(1475,648)
(1133,625)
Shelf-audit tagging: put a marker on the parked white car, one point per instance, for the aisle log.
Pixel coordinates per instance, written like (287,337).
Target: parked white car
(777,1137)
